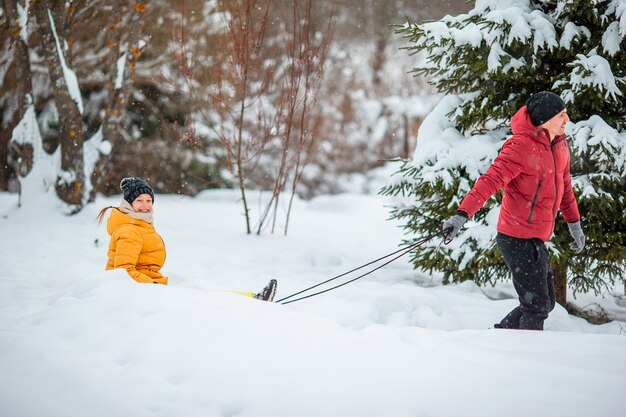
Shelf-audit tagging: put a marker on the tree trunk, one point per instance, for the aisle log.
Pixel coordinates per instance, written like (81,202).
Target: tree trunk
(560,281)
(125,27)
(406,148)
(5,170)
(17,85)
(70,181)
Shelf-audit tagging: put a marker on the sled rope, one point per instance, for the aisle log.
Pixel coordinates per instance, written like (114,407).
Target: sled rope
(397,254)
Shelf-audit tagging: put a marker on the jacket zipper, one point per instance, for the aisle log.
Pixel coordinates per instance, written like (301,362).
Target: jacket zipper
(557,140)
(556,187)
(532,206)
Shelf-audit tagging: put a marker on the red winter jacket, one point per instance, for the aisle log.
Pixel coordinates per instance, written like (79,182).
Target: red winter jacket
(536,178)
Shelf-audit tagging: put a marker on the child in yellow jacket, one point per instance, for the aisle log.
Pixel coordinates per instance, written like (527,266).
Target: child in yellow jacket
(135,245)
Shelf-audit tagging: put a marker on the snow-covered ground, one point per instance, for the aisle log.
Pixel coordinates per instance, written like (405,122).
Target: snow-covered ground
(78,341)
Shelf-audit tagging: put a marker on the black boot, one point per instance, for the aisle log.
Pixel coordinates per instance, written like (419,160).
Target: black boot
(268,292)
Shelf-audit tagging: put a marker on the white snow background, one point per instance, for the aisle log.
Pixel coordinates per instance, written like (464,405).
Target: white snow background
(76,340)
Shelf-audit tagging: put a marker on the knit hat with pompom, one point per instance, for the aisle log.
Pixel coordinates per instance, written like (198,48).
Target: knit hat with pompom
(133,187)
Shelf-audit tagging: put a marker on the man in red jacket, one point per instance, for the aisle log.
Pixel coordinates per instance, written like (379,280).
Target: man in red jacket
(533,167)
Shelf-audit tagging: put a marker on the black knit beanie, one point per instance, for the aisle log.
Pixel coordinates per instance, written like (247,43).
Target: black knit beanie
(133,187)
(543,106)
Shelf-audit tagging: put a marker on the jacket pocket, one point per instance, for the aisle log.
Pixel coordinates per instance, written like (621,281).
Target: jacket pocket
(532,205)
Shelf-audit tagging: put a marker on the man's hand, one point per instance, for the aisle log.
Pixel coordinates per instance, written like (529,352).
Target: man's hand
(452,226)
(579,237)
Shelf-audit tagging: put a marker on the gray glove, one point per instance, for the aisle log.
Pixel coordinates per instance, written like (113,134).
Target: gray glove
(452,226)
(579,238)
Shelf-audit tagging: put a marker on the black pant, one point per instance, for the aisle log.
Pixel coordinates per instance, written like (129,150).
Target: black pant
(533,280)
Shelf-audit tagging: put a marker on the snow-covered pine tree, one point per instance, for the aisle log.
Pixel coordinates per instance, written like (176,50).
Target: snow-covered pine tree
(487,63)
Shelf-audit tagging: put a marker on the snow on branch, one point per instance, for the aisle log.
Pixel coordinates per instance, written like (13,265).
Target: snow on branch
(602,144)
(23,20)
(495,24)
(571,32)
(594,71)
(119,78)
(615,32)
(70,77)
(442,147)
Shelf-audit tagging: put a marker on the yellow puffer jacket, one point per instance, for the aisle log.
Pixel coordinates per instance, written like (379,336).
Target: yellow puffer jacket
(137,247)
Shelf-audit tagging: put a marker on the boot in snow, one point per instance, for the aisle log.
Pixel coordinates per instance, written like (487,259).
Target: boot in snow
(268,292)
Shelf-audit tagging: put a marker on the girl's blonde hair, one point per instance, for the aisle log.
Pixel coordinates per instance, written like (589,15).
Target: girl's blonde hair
(100,215)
